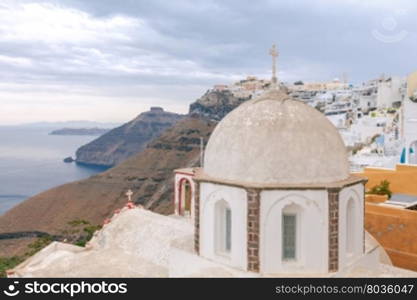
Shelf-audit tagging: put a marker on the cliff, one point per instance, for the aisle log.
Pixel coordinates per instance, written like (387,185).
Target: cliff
(149,174)
(122,142)
(215,104)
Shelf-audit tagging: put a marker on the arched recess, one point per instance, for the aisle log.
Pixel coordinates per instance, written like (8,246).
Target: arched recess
(305,236)
(223,227)
(351,226)
(351,212)
(218,196)
(185,197)
(211,223)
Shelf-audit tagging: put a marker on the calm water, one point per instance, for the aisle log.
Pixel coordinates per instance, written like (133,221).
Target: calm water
(31,162)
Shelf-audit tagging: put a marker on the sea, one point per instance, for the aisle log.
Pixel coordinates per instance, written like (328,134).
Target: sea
(31,161)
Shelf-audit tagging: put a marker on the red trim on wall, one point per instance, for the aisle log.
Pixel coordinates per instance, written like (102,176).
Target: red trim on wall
(184,173)
(173,197)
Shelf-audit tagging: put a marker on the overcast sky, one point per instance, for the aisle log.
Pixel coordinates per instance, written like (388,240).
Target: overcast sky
(109,60)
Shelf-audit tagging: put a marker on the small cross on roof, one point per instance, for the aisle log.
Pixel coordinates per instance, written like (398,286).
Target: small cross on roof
(129,194)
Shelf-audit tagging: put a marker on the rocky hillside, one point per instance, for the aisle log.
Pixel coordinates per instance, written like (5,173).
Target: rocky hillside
(215,104)
(145,152)
(126,140)
(149,174)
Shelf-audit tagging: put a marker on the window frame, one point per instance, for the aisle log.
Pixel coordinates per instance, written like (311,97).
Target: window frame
(223,229)
(295,237)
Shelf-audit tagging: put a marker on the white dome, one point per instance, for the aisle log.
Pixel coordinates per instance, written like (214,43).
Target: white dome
(274,139)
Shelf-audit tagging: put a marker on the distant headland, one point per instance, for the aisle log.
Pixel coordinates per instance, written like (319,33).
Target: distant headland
(80,131)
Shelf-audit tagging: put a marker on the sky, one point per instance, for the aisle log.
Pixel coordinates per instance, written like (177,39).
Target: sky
(109,60)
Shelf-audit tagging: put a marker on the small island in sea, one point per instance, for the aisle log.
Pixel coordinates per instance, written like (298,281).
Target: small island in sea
(80,131)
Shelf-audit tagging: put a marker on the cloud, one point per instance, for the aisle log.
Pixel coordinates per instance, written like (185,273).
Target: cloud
(15,61)
(70,54)
(50,23)
(66,40)
(64,63)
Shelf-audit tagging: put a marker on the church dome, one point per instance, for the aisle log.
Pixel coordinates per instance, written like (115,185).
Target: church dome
(274,139)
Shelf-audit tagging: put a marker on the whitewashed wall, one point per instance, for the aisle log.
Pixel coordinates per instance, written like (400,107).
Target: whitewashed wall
(389,92)
(410,125)
(236,198)
(356,194)
(313,239)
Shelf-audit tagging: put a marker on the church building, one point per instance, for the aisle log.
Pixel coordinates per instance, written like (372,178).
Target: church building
(275,195)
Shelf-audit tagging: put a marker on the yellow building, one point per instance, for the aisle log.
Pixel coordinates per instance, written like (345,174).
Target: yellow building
(395,227)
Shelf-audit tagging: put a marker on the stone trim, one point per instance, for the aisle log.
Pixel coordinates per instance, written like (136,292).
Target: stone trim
(253,212)
(333,195)
(197,217)
(200,176)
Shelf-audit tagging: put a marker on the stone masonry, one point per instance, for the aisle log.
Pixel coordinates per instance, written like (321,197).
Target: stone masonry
(197,217)
(253,196)
(333,230)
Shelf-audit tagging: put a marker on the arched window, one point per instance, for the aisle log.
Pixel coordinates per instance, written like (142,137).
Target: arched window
(290,232)
(185,195)
(289,236)
(223,221)
(350,226)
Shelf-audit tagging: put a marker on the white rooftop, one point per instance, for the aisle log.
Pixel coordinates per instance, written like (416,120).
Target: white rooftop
(140,243)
